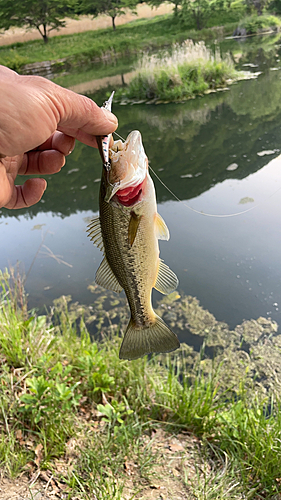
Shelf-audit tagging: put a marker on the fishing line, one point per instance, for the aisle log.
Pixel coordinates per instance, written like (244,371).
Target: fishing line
(220,216)
(213,215)
(120,137)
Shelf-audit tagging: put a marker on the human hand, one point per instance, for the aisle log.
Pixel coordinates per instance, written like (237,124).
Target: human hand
(39,122)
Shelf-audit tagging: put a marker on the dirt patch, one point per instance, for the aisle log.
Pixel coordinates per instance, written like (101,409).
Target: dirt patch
(174,460)
(174,463)
(101,83)
(84,23)
(24,488)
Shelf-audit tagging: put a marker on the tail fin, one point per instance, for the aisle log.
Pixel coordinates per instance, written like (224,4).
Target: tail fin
(140,341)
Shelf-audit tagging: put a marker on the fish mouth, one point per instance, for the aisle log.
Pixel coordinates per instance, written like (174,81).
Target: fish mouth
(130,195)
(128,170)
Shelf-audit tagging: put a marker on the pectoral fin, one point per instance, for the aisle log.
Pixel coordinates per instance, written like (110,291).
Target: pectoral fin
(94,231)
(166,281)
(162,232)
(106,278)
(133,227)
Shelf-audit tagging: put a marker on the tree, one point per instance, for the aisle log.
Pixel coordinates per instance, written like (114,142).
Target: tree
(275,7)
(112,8)
(156,3)
(258,5)
(44,15)
(200,11)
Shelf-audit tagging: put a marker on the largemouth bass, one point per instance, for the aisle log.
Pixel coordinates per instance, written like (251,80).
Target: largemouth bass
(127,231)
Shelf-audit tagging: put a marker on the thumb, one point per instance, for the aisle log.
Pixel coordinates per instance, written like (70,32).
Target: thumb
(82,118)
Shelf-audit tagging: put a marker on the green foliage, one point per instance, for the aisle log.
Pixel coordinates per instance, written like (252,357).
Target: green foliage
(115,412)
(13,60)
(93,372)
(44,16)
(230,13)
(112,8)
(275,6)
(256,6)
(199,11)
(49,397)
(254,24)
(176,3)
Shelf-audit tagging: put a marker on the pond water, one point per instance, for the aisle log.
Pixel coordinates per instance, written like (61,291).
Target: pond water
(220,154)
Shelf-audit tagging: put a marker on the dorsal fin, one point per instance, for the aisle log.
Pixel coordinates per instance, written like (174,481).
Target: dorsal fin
(162,232)
(94,232)
(166,281)
(106,278)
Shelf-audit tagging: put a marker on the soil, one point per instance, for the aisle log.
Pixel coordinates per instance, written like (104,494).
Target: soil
(84,23)
(176,460)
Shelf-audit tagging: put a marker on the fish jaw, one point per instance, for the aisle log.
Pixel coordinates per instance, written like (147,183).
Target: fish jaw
(128,170)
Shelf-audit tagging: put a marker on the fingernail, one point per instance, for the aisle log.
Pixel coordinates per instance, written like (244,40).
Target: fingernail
(110,116)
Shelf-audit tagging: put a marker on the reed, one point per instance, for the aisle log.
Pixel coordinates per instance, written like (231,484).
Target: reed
(189,69)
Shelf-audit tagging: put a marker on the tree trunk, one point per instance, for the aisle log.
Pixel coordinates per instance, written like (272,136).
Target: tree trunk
(45,35)
(113,22)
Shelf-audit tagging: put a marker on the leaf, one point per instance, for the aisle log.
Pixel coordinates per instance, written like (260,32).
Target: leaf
(39,454)
(176,447)
(245,200)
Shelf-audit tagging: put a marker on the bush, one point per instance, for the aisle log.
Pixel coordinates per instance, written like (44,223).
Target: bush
(255,24)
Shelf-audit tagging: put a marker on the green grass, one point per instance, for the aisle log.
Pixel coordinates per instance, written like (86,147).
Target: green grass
(84,48)
(188,70)
(72,399)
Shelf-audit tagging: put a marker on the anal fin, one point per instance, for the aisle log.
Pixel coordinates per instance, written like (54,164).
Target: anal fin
(166,281)
(106,278)
(140,341)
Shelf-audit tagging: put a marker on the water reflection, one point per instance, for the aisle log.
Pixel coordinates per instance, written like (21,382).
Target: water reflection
(198,139)
(219,153)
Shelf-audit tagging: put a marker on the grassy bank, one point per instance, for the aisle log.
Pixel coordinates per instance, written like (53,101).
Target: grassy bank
(82,48)
(188,70)
(79,422)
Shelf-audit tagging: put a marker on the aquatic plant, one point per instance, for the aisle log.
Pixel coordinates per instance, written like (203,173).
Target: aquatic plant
(189,69)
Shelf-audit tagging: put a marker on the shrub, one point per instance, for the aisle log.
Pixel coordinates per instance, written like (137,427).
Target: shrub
(254,24)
